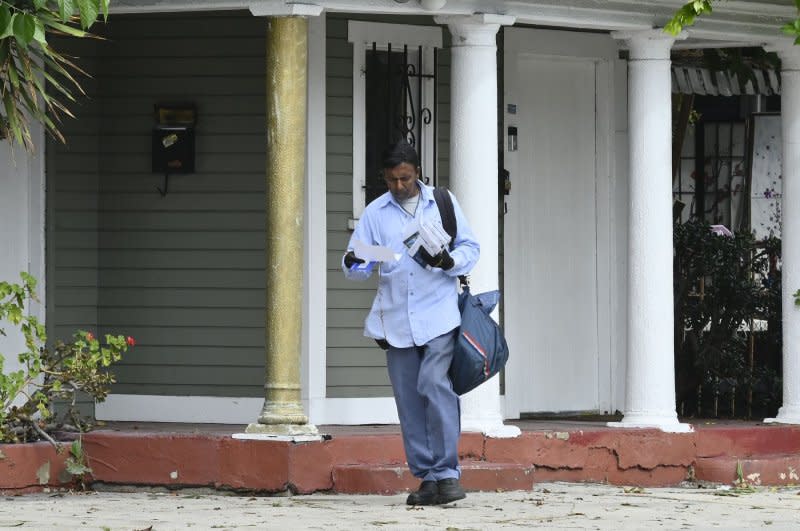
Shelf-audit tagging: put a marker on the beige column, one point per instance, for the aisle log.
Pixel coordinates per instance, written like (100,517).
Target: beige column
(287,58)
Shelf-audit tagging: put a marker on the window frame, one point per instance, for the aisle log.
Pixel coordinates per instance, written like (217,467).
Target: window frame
(362,35)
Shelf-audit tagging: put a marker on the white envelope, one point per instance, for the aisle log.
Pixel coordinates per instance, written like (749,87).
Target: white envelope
(373,253)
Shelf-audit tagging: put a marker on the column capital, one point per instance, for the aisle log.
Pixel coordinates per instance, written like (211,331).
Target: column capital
(285,9)
(475,30)
(648,44)
(788,52)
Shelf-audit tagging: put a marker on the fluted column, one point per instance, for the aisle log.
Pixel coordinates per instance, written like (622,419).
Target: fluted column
(650,385)
(287,58)
(473,177)
(789,54)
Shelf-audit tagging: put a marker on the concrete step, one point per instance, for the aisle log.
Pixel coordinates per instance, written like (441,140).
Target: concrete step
(745,439)
(765,469)
(391,479)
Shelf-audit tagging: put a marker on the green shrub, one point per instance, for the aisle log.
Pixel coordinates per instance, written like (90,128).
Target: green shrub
(721,284)
(27,395)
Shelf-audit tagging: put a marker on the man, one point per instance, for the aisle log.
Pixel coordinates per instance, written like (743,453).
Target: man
(415,318)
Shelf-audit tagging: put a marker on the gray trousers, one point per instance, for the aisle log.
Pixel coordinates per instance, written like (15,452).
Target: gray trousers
(429,410)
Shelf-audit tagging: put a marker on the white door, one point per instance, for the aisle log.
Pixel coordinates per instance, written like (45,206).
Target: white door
(551,234)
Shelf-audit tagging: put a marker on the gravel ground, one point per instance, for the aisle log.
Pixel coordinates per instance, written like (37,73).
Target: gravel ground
(548,506)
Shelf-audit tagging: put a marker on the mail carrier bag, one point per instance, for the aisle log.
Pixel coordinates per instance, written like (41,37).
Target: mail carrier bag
(480,349)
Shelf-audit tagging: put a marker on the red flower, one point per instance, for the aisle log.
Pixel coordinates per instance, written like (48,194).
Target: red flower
(131,342)
(89,336)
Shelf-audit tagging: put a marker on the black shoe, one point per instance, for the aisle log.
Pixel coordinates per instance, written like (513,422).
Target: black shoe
(450,490)
(426,495)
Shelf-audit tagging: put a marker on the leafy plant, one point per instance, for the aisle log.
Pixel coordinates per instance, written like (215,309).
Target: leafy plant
(720,285)
(793,28)
(687,15)
(47,375)
(35,78)
(741,485)
(76,463)
(797,298)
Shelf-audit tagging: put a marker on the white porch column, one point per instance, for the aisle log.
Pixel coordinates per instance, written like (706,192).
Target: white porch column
(650,386)
(789,413)
(473,177)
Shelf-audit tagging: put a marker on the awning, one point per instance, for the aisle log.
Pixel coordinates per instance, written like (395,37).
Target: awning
(705,82)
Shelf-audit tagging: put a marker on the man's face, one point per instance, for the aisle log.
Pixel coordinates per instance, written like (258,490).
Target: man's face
(402,181)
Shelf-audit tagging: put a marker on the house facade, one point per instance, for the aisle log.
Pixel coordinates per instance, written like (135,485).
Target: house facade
(571,99)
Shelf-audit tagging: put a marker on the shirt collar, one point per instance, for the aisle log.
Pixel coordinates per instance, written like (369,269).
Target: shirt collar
(426,193)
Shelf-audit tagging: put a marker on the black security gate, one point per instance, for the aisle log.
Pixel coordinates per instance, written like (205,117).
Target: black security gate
(394,96)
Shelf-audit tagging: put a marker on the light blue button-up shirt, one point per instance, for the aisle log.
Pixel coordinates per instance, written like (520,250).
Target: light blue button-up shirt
(413,304)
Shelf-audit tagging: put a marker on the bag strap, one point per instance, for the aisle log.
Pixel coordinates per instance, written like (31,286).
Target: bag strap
(448,214)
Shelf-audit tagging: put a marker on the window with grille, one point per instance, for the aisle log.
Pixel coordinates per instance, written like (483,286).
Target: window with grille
(394,97)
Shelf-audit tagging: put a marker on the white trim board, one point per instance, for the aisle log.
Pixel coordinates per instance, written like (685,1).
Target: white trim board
(747,21)
(313,361)
(382,34)
(240,410)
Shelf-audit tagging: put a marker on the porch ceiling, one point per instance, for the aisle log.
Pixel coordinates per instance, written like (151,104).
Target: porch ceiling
(735,21)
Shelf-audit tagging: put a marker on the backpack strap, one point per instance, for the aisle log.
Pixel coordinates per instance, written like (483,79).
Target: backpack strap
(448,214)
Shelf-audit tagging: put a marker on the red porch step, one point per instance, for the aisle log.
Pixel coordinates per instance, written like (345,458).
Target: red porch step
(767,469)
(391,479)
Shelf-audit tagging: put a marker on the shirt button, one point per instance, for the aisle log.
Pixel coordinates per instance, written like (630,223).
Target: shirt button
(412,293)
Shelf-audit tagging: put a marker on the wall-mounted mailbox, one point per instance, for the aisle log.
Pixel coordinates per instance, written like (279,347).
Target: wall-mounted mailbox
(173,139)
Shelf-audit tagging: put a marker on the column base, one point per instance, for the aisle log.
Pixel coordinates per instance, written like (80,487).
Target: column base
(495,430)
(280,432)
(280,413)
(665,423)
(786,415)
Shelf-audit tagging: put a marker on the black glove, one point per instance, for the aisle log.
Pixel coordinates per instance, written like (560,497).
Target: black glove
(350,259)
(442,260)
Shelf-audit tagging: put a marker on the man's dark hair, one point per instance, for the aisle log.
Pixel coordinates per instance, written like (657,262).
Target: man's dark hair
(398,153)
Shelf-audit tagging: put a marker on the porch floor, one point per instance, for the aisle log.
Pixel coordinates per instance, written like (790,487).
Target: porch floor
(370,459)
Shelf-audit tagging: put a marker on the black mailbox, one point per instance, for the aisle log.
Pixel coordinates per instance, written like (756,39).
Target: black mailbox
(173,149)
(173,138)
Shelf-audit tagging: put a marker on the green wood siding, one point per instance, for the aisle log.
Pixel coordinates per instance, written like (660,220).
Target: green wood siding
(72,219)
(356,367)
(184,273)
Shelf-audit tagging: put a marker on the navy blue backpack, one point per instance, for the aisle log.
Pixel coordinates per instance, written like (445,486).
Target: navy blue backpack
(481,350)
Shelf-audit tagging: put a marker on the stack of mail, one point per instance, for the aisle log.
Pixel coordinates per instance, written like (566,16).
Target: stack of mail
(429,236)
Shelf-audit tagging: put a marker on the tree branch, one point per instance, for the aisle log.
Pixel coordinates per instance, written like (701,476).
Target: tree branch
(44,435)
